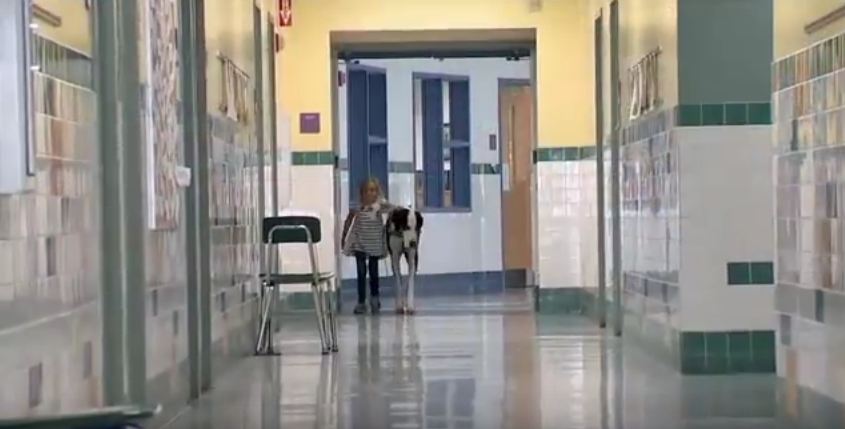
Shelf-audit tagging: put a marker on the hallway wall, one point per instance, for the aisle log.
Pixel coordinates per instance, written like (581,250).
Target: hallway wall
(790,19)
(50,270)
(50,280)
(681,261)
(563,106)
(235,210)
(809,132)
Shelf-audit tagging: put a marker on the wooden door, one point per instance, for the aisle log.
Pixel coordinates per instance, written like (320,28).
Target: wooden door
(516,105)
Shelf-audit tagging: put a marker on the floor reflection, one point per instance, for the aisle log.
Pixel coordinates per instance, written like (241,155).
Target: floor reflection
(485,369)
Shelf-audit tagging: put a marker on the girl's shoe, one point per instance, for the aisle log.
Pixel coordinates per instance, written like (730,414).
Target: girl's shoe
(375,305)
(361,308)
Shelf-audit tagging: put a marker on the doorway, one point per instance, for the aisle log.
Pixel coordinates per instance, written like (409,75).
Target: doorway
(516,129)
(444,157)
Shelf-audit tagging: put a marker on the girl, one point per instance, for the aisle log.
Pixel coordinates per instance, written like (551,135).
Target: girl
(363,238)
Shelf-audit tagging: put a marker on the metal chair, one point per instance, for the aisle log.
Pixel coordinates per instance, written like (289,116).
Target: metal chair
(277,231)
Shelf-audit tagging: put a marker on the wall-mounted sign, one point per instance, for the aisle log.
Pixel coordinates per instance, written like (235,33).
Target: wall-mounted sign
(643,78)
(309,123)
(285,13)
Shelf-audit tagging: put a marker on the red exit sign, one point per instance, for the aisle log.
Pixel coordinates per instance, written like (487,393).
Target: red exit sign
(285,13)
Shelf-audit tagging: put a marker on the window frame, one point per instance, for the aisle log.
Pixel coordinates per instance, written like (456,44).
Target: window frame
(419,144)
(371,139)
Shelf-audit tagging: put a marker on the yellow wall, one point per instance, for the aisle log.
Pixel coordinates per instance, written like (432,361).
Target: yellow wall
(75,30)
(564,68)
(228,30)
(644,25)
(792,15)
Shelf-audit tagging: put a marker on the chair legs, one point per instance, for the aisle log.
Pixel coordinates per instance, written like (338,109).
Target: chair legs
(325,309)
(320,312)
(332,314)
(264,342)
(325,303)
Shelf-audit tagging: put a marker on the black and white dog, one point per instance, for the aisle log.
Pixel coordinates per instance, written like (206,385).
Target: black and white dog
(403,230)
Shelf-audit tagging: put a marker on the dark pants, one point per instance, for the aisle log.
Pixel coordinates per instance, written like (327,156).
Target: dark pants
(362,261)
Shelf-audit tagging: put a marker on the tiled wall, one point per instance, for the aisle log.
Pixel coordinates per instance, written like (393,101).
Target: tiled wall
(565,191)
(726,223)
(50,272)
(166,303)
(233,172)
(683,225)
(50,321)
(810,142)
(651,232)
(313,191)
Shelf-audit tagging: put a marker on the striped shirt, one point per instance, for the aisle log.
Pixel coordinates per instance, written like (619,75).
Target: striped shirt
(367,235)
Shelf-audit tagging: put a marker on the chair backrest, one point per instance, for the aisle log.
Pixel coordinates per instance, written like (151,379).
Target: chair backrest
(290,235)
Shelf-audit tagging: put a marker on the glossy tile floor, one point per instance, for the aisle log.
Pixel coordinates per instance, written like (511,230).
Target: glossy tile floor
(482,362)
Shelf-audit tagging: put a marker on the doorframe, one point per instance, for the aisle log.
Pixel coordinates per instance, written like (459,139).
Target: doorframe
(599,72)
(379,44)
(505,83)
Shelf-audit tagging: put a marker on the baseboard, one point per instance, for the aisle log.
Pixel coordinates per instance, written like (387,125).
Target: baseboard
(439,284)
(567,300)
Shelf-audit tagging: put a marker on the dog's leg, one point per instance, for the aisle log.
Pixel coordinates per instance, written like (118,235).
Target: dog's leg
(411,257)
(395,248)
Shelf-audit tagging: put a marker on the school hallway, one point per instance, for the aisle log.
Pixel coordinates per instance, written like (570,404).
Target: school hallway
(480,362)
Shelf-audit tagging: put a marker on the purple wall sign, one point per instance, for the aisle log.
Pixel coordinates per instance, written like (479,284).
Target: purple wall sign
(309,123)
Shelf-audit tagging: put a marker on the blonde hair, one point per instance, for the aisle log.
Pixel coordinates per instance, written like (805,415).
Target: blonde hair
(366,184)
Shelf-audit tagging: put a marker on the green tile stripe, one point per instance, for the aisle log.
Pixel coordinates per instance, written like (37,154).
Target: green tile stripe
(400,167)
(562,300)
(751,273)
(485,169)
(696,115)
(703,115)
(727,352)
(558,154)
(313,158)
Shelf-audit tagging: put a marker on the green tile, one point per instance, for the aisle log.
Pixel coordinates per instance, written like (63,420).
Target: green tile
(587,152)
(694,365)
(819,310)
(326,158)
(762,273)
(742,363)
(549,154)
(739,273)
(713,114)
(717,364)
(545,155)
(572,154)
(313,158)
(296,158)
(739,343)
(693,344)
(764,365)
(689,115)
(762,343)
(760,113)
(717,345)
(736,114)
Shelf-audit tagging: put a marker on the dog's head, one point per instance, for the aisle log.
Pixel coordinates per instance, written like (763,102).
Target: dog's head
(407,223)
